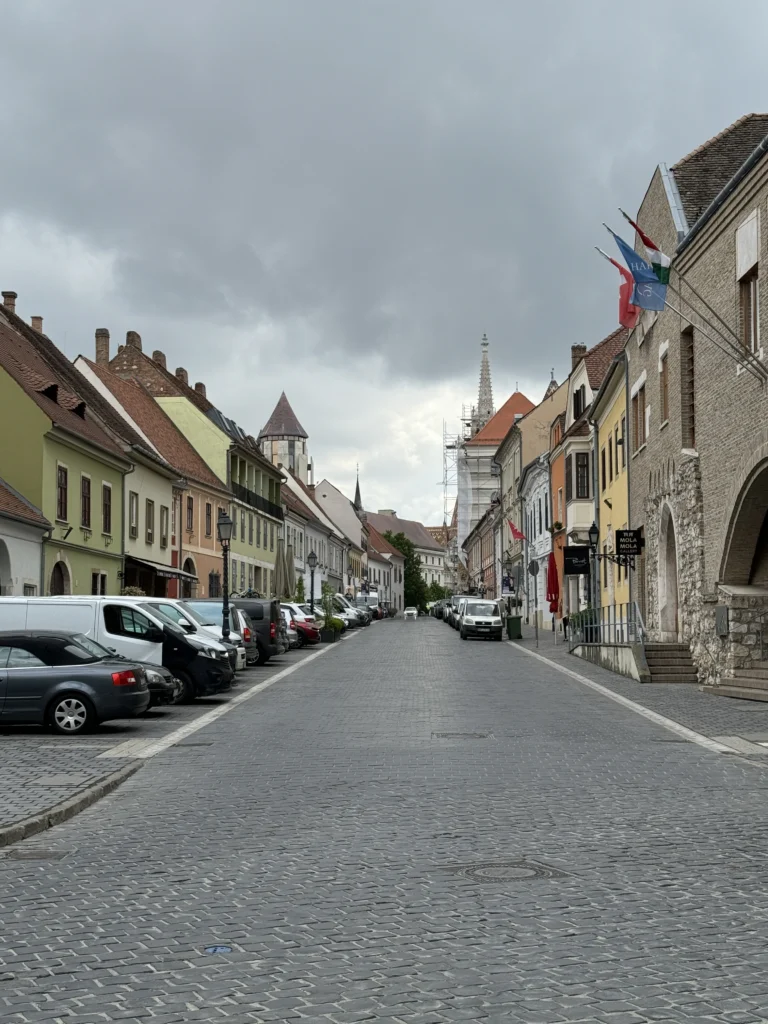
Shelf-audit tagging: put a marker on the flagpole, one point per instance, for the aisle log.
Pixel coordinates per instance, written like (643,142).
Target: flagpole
(725,351)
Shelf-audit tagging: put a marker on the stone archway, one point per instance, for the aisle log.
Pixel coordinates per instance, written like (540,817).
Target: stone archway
(187,584)
(61,582)
(6,576)
(745,553)
(669,603)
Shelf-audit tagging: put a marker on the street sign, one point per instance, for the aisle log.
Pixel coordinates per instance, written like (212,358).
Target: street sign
(533,567)
(629,543)
(576,560)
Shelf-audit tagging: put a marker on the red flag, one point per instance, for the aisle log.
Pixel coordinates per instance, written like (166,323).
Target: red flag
(553,583)
(516,534)
(628,314)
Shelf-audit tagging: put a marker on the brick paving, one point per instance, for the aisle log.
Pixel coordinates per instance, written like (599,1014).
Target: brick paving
(410,829)
(682,702)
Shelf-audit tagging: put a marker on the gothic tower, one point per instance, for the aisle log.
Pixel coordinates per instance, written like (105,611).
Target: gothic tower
(284,441)
(484,410)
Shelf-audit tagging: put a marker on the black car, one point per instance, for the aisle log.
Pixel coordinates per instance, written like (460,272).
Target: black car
(66,681)
(164,687)
(266,620)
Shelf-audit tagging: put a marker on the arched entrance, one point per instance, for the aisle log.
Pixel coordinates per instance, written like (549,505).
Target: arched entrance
(186,584)
(668,596)
(60,580)
(6,579)
(745,558)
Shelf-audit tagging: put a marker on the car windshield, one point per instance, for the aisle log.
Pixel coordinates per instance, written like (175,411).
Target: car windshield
(167,613)
(208,613)
(481,608)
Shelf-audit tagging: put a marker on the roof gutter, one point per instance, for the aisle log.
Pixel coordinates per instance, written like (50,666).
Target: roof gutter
(727,190)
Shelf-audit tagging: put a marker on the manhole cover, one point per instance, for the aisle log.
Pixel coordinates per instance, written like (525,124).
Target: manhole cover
(182,746)
(38,854)
(462,735)
(213,950)
(510,871)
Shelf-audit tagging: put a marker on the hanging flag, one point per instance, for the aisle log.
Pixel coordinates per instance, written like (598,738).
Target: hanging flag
(649,292)
(628,313)
(659,261)
(516,534)
(553,584)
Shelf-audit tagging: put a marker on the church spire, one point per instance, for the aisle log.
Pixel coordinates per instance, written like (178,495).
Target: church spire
(484,409)
(357,503)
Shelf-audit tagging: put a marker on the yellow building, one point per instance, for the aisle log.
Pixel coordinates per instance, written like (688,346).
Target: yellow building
(609,417)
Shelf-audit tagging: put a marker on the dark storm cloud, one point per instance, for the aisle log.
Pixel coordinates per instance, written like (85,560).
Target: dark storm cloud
(400,175)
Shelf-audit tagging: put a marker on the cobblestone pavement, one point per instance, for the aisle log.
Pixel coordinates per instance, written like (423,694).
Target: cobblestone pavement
(685,703)
(39,769)
(410,829)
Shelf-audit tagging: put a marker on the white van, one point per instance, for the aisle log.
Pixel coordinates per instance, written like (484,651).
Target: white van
(106,619)
(191,622)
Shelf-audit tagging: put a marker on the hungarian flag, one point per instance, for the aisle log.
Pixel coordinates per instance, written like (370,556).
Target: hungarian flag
(658,260)
(516,534)
(628,313)
(649,291)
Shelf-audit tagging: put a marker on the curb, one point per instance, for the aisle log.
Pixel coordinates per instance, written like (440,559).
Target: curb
(65,809)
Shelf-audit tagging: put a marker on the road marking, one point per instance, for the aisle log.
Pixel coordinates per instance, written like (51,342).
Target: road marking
(651,716)
(142,749)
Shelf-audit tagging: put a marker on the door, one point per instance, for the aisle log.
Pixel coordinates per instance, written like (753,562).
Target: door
(27,678)
(4,652)
(125,630)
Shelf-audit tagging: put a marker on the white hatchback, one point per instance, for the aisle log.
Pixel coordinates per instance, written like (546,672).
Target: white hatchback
(411,613)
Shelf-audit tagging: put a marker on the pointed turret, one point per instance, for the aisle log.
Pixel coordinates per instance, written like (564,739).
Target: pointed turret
(283,422)
(284,441)
(484,410)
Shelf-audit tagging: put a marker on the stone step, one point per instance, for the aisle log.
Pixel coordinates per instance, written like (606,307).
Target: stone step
(668,659)
(672,670)
(683,677)
(672,648)
(759,671)
(741,679)
(743,692)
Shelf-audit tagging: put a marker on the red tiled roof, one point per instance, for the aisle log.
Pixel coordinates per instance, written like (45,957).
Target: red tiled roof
(159,427)
(707,169)
(414,531)
(599,358)
(381,544)
(283,421)
(15,505)
(497,427)
(40,381)
(295,504)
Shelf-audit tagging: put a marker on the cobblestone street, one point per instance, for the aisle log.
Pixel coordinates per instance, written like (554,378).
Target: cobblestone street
(409,828)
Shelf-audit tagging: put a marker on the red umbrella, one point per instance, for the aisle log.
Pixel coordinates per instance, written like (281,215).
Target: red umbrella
(553,583)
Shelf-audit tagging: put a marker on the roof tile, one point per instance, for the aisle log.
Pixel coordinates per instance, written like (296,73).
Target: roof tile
(497,427)
(15,505)
(283,421)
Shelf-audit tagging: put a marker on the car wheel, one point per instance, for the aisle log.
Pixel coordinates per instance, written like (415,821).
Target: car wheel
(70,714)
(188,689)
(261,658)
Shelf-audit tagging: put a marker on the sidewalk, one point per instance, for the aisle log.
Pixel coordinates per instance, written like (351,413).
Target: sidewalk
(684,703)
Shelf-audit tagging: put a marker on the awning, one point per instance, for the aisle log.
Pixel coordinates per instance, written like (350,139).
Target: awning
(168,572)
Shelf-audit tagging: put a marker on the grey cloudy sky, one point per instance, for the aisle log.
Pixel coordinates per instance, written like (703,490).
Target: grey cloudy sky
(337,197)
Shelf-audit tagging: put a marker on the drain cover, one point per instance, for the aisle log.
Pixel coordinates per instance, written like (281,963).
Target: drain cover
(510,871)
(462,735)
(213,950)
(38,854)
(182,746)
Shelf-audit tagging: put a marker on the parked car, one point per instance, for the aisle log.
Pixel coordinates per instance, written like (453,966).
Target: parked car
(480,618)
(209,613)
(63,680)
(410,613)
(129,628)
(309,614)
(309,634)
(348,616)
(300,612)
(164,687)
(291,632)
(265,619)
(178,612)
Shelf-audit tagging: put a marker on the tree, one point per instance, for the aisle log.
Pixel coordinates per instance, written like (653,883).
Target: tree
(436,593)
(300,598)
(414,586)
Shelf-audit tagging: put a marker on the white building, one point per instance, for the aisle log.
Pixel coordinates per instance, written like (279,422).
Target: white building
(431,552)
(534,491)
(344,515)
(22,529)
(385,570)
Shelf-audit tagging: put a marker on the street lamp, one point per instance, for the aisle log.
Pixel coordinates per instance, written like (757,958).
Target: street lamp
(224,527)
(312,563)
(594,537)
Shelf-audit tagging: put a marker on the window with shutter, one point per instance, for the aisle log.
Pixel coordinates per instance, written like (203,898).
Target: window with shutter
(582,475)
(568,479)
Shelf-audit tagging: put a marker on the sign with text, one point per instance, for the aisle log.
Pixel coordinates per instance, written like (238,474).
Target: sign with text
(629,543)
(576,560)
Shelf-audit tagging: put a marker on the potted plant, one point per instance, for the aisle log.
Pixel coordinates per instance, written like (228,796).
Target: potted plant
(332,627)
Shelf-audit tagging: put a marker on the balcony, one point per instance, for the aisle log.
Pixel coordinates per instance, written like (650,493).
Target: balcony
(256,501)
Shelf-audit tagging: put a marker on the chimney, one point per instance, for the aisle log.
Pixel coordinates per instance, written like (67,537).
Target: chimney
(577,354)
(133,340)
(102,346)
(182,374)
(37,324)
(9,301)
(159,358)
(200,388)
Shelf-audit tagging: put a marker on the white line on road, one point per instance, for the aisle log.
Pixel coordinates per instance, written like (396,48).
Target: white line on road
(652,716)
(134,749)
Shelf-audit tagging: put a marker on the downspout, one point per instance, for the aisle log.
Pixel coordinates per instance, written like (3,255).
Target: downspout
(596,506)
(627,460)
(47,535)
(122,530)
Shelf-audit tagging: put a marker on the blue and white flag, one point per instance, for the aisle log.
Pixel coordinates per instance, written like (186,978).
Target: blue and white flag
(649,292)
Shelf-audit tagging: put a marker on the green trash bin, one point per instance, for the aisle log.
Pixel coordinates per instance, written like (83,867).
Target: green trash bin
(514,627)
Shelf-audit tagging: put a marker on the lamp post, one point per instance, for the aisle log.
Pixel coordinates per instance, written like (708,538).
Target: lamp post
(312,563)
(224,527)
(594,538)
(482,583)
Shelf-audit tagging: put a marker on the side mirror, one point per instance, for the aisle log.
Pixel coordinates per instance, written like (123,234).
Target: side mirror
(155,635)
(188,627)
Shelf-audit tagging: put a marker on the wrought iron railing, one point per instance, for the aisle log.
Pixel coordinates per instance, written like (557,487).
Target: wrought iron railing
(256,501)
(613,624)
